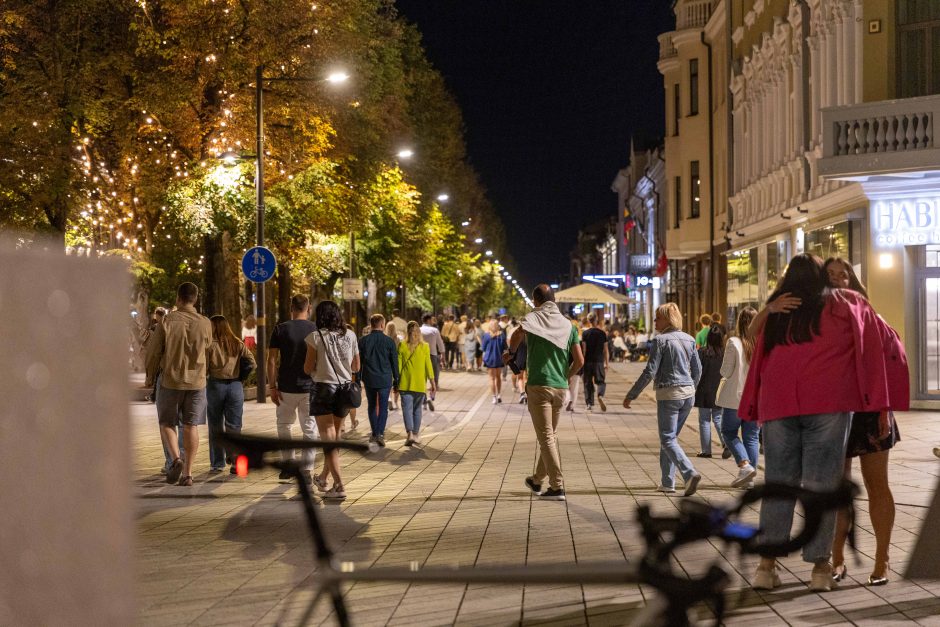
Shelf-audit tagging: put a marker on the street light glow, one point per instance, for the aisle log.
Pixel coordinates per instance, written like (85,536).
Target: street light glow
(478,240)
(229,158)
(465,223)
(406,153)
(337,77)
(443,197)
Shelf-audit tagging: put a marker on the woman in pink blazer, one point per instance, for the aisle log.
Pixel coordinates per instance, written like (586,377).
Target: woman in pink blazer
(813,365)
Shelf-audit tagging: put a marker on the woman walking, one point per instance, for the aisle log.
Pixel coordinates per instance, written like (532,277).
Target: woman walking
(574,381)
(711,356)
(494,343)
(871,435)
(417,372)
(225,395)
(675,368)
(392,331)
(471,340)
(332,357)
(790,391)
(745,447)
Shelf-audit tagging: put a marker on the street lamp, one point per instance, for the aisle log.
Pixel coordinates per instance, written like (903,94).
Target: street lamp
(489,253)
(443,197)
(405,153)
(333,78)
(478,240)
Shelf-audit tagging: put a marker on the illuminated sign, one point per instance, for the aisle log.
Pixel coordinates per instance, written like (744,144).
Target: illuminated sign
(906,221)
(646,281)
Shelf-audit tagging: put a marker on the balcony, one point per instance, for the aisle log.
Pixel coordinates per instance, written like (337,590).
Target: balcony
(892,137)
(693,13)
(667,49)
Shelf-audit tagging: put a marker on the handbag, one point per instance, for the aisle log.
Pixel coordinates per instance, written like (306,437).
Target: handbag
(349,392)
(245,367)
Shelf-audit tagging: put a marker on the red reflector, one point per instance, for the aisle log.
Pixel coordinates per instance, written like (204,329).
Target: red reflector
(241,466)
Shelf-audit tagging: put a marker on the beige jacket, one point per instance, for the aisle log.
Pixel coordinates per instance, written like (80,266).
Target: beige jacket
(179,347)
(225,366)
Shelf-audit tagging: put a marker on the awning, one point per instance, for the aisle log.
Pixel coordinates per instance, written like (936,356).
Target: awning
(590,293)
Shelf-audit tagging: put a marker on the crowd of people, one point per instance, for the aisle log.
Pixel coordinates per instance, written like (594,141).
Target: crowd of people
(770,385)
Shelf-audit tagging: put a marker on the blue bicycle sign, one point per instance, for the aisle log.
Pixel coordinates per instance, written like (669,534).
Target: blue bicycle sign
(258,264)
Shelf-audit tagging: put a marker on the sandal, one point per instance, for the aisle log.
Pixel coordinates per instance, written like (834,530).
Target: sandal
(320,482)
(186,481)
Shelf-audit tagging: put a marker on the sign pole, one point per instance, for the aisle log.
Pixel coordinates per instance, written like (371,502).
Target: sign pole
(261,393)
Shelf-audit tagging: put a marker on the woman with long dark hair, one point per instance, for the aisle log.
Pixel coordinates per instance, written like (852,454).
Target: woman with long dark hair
(332,358)
(871,436)
(792,391)
(225,395)
(745,447)
(711,356)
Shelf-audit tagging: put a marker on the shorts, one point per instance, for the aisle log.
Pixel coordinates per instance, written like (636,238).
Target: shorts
(863,435)
(181,406)
(324,400)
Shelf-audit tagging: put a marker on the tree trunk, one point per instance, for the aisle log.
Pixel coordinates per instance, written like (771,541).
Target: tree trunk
(284,287)
(231,284)
(213,275)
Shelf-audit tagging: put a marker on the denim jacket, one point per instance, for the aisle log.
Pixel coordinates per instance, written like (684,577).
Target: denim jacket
(673,361)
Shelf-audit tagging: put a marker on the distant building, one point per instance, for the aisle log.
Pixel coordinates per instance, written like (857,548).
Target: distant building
(641,228)
(693,60)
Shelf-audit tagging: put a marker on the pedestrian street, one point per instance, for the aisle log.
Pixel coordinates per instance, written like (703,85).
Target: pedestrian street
(236,551)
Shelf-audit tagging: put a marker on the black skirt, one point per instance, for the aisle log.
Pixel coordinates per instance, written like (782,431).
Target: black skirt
(863,435)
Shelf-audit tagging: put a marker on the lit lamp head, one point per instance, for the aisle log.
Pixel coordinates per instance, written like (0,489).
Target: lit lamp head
(229,158)
(337,77)
(405,153)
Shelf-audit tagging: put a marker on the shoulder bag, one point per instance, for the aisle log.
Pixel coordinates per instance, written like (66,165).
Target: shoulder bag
(349,392)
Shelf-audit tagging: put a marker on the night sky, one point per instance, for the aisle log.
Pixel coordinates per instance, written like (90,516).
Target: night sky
(552,92)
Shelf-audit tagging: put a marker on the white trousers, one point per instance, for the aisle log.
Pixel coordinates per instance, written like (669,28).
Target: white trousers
(296,406)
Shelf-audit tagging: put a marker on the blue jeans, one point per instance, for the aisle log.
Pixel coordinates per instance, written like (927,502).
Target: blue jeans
(671,416)
(377,403)
(707,415)
(807,451)
(745,447)
(411,405)
(226,398)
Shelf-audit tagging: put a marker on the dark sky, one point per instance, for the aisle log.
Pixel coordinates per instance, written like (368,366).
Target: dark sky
(552,92)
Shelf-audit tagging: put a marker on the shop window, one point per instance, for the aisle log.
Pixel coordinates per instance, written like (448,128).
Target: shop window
(778,256)
(918,44)
(695,185)
(838,240)
(693,87)
(742,280)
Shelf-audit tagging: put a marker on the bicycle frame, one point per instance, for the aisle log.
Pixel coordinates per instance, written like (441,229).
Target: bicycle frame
(677,595)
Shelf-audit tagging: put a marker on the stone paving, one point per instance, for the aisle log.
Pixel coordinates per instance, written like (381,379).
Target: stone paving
(235,551)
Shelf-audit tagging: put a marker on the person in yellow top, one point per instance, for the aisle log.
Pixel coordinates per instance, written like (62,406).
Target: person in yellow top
(414,364)
(225,394)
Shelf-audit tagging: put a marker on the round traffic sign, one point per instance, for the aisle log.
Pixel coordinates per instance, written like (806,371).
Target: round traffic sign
(258,264)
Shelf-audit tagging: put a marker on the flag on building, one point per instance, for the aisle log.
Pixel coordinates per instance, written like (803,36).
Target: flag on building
(662,264)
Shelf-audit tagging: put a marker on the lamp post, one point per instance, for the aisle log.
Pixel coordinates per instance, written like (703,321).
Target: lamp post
(334,78)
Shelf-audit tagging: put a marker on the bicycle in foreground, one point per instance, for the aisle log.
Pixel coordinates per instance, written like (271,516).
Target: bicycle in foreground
(662,535)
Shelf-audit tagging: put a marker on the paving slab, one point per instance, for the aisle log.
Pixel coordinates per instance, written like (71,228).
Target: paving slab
(235,551)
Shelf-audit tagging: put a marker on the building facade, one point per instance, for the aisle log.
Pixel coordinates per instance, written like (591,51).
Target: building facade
(641,210)
(694,63)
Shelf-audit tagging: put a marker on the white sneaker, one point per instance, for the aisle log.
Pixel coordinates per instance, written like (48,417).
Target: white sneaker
(746,475)
(666,489)
(494,400)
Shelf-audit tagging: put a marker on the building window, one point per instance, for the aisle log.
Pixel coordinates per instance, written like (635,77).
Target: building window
(918,48)
(695,190)
(676,108)
(693,87)
(678,216)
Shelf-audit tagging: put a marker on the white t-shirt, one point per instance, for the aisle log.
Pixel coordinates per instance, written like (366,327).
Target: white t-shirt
(341,346)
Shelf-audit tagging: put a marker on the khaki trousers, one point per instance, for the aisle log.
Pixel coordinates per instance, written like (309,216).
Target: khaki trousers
(545,406)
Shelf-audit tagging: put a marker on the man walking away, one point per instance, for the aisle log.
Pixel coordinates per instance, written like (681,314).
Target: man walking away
(180,348)
(431,335)
(379,370)
(551,339)
(290,386)
(450,333)
(596,360)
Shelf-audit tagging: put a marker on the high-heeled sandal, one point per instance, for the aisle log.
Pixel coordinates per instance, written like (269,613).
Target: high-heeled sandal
(879,581)
(839,572)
